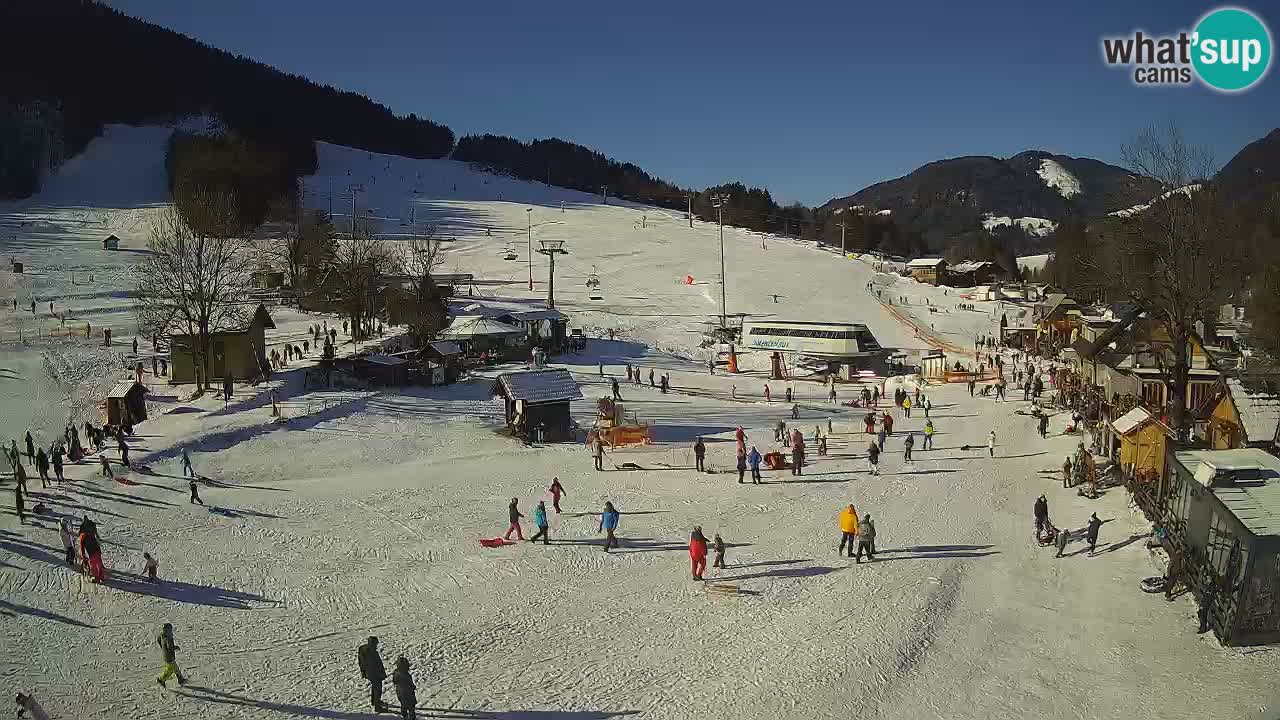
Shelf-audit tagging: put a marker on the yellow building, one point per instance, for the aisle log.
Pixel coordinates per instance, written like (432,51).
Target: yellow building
(238,352)
(1243,416)
(1142,442)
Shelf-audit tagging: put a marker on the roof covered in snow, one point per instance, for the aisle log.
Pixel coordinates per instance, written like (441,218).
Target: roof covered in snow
(1131,421)
(539,386)
(124,387)
(971,266)
(926,262)
(380,359)
(1250,489)
(1259,411)
(445,348)
(544,314)
(465,327)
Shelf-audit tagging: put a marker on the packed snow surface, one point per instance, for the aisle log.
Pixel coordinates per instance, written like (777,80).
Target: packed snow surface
(1059,178)
(360,512)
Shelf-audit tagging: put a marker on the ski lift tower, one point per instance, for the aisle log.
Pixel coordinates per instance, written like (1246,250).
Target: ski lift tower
(551,248)
(718,201)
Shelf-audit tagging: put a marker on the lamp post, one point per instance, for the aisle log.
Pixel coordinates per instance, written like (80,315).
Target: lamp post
(718,202)
(551,248)
(528,216)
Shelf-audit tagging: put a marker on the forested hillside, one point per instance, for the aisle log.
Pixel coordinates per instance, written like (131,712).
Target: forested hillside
(71,66)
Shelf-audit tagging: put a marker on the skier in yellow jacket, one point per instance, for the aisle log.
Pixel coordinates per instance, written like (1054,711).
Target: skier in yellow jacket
(848,529)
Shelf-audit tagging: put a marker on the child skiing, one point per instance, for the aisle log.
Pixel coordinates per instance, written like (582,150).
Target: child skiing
(719,546)
(195,492)
(991,443)
(928,435)
(873,457)
(754,458)
(150,566)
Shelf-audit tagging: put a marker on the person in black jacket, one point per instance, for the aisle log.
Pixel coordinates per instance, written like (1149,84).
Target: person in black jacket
(42,467)
(699,453)
(1041,512)
(372,669)
(1091,532)
(406,691)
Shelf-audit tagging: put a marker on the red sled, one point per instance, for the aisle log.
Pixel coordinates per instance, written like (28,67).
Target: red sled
(495,542)
(124,480)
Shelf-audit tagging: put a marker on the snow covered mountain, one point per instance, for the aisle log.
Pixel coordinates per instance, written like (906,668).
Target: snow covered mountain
(1033,188)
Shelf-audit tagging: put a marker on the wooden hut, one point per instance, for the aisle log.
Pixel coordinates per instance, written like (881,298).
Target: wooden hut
(126,403)
(1143,440)
(381,369)
(928,270)
(539,400)
(111,242)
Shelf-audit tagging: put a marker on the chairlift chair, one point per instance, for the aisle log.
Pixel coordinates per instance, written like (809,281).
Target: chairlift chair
(510,252)
(593,285)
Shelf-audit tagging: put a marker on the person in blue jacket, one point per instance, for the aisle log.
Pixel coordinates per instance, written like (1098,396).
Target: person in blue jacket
(608,524)
(540,520)
(754,458)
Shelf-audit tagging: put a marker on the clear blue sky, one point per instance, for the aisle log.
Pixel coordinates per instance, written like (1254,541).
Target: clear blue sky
(810,100)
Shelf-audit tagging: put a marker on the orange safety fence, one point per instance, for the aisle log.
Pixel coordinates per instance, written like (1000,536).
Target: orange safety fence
(622,435)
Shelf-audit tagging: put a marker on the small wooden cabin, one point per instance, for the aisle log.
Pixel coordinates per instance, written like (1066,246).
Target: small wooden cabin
(126,403)
(539,399)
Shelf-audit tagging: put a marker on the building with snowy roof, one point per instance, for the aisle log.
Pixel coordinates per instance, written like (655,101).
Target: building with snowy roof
(1246,413)
(973,272)
(1222,516)
(928,270)
(538,401)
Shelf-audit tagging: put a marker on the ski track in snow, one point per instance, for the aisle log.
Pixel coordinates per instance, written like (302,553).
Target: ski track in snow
(360,515)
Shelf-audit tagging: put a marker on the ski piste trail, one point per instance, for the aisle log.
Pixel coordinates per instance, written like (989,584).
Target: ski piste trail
(361,515)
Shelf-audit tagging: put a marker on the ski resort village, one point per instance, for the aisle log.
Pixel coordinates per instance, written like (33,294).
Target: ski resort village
(357,420)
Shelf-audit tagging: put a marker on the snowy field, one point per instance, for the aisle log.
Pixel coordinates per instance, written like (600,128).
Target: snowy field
(361,515)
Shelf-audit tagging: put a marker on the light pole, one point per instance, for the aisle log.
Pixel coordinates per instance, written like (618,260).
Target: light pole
(719,201)
(528,216)
(551,248)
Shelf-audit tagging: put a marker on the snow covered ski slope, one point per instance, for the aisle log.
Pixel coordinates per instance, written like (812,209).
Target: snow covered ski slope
(360,514)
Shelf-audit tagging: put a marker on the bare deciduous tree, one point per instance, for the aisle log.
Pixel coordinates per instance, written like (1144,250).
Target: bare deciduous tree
(1179,258)
(421,304)
(359,261)
(194,283)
